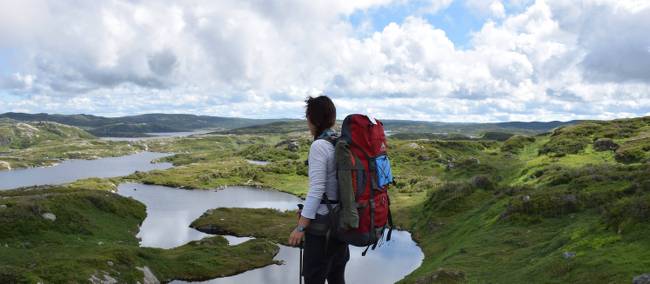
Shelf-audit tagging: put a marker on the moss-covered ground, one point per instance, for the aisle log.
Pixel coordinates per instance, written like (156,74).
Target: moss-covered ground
(263,223)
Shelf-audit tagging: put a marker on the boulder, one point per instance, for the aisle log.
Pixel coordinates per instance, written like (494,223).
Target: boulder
(568,254)
(415,146)
(149,277)
(5,165)
(49,216)
(293,146)
(642,279)
(2,206)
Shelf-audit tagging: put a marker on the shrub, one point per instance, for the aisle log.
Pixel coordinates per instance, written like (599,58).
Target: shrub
(449,197)
(547,204)
(628,156)
(483,182)
(516,143)
(605,144)
(497,136)
(628,210)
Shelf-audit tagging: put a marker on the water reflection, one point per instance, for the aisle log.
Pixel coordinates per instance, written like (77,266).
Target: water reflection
(170,211)
(71,170)
(386,264)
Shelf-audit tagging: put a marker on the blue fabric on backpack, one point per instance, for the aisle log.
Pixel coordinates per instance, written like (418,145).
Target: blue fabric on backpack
(384,173)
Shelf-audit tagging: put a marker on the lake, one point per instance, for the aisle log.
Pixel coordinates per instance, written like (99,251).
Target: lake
(71,170)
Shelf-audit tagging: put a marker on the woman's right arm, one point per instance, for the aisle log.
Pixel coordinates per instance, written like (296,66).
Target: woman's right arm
(317,178)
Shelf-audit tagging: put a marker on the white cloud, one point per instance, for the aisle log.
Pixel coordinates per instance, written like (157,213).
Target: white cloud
(554,60)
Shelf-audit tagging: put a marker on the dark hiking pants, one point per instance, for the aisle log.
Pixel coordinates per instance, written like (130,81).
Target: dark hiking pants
(322,263)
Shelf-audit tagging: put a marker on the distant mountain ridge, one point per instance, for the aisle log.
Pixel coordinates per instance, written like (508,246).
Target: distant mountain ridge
(140,125)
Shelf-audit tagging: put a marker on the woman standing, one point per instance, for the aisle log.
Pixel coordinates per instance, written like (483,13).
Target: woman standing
(325,258)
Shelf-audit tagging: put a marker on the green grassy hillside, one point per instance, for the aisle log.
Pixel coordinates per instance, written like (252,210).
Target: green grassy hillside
(569,207)
(20,135)
(44,143)
(139,125)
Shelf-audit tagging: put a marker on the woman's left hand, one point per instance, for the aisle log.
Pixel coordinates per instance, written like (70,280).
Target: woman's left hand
(296,238)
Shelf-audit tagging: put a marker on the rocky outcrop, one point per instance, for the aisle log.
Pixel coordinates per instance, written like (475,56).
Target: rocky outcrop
(5,165)
(149,277)
(442,276)
(642,279)
(103,279)
(49,216)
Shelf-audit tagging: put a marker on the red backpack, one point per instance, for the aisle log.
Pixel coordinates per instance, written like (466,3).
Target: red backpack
(364,175)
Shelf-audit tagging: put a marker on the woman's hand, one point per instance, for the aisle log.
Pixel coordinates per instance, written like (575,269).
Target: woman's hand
(296,238)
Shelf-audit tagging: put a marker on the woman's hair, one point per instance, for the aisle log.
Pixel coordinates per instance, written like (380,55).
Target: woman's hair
(321,112)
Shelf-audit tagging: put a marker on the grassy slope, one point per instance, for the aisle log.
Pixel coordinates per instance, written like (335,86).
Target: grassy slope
(572,199)
(94,233)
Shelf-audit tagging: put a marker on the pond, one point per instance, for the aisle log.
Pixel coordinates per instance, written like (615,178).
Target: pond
(171,210)
(71,170)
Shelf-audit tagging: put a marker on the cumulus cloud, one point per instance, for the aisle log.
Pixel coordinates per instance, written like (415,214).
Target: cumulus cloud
(551,60)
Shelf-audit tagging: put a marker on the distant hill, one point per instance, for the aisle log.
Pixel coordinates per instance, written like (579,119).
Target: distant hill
(140,125)
(16,134)
(412,129)
(472,129)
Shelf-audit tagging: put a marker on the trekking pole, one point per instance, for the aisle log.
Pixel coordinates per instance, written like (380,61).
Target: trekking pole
(300,247)
(300,273)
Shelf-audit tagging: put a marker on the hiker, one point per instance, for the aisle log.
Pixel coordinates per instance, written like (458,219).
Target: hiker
(325,257)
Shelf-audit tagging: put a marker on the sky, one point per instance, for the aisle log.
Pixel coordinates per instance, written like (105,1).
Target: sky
(435,60)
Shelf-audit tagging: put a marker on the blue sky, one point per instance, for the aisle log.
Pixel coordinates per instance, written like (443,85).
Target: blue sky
(456,20)
(442,60)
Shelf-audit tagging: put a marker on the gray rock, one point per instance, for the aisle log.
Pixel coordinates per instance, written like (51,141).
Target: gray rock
(642,279)
(415,146)
(49,216)
(570,198)
(568,255)
(293,146)
(2,206)
(525,198)
(149,277)
(110,263)
(424,157)
(104,279)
